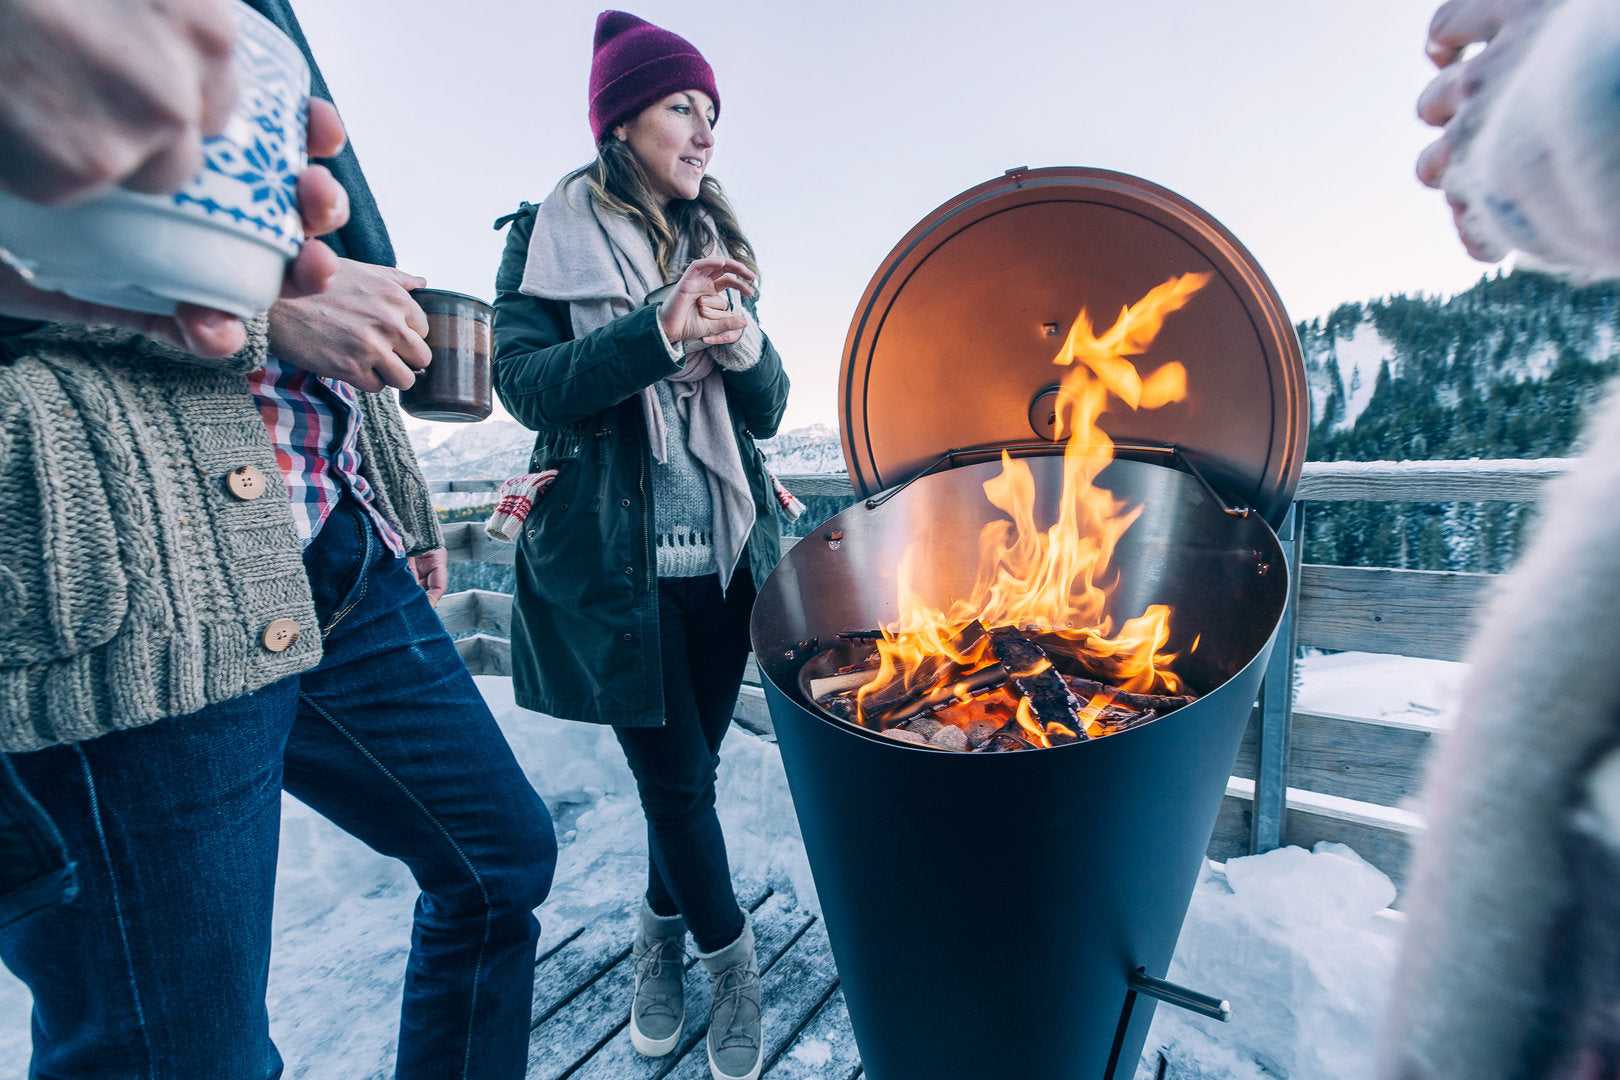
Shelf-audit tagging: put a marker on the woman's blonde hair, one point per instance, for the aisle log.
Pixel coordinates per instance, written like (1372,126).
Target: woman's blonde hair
(619,183)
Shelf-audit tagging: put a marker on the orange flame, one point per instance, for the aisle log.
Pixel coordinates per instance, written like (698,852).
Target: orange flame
(1058,579)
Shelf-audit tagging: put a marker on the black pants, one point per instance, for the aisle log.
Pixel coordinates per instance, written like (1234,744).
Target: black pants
(34,867)
(704,648)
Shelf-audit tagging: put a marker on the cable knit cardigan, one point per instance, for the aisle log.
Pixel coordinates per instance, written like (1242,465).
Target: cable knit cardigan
(135,583)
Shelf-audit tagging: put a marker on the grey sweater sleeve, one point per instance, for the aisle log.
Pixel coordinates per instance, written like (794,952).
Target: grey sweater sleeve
(389,465)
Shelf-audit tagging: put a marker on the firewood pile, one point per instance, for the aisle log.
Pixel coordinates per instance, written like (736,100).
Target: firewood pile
(1032,689)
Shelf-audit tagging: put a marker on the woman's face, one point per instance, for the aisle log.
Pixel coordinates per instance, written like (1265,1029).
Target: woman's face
(672,139)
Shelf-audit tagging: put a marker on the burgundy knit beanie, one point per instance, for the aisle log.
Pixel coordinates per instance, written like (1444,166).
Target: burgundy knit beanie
(635,63)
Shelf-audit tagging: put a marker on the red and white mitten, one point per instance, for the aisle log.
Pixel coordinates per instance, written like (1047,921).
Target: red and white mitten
(516,500)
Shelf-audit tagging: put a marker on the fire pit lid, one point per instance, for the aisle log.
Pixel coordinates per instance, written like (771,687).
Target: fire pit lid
(951,346)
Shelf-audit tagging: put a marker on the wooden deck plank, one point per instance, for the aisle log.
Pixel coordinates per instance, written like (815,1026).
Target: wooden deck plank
(823,1050)
(563,971)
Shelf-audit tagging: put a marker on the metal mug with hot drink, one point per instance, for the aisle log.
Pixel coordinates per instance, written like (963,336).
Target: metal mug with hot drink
(456,385)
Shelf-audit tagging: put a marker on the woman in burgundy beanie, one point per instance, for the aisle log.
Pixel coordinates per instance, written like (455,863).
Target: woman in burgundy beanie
(625,337)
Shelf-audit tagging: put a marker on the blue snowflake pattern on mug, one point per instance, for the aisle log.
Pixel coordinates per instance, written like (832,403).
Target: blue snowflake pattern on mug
(250,171)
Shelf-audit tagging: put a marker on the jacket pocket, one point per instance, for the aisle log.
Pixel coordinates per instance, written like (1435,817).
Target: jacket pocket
(67,493)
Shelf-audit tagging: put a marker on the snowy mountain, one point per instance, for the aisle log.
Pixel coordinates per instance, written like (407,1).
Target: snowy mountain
(1504,369)
(500,448)
(492,448)
(804,451)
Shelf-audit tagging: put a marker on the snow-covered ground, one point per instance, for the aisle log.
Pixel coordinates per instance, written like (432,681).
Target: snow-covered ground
(1301,942)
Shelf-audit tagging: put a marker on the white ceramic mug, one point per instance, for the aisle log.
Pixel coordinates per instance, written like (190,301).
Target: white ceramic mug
(223,240)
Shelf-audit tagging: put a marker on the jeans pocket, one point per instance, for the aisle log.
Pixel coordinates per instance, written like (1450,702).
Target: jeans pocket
(34,867)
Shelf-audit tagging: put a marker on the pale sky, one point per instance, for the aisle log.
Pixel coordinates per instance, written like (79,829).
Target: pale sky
(843,124)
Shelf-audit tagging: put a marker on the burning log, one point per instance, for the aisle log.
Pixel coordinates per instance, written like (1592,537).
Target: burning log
(977,683)
(828,685)
(1050,699)
(1160,704)
(902,698)
(1072,657)
(947,706)
(1003,742)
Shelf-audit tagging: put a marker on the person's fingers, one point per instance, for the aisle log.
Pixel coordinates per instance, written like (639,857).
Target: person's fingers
(725,324)
(414,352)
(1458,24)
(394,371)
(1440,100)
(326,135)
(209,333)
(214,32)
(734,281)
(322,203)
(1432,162)
(312,271)
(408,343)
(408,282)
(725,338)
(174,163)
(714,266)
(1478,247)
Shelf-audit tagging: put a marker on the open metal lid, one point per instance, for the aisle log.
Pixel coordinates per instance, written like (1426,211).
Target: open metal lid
(951,347)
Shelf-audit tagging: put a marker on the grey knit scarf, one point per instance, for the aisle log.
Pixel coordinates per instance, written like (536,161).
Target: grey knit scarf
(603,265)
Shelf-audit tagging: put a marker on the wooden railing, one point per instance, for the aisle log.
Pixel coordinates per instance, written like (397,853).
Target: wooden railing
(1300,777)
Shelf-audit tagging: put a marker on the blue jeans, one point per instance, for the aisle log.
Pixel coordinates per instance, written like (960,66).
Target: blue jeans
(704,646)
(34,867)
(158,968)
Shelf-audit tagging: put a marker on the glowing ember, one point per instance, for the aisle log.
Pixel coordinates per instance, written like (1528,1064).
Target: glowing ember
(1055,581)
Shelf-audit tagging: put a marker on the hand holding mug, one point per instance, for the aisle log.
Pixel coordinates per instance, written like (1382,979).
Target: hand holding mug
(697,308)
(364,329)
(225,244)
(324,207)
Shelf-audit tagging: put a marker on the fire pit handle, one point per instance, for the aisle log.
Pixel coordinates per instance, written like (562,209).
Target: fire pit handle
(1230,509)
(969,454)
(1171,994)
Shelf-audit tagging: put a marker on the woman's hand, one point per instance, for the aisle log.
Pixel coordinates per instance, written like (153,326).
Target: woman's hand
(698,309)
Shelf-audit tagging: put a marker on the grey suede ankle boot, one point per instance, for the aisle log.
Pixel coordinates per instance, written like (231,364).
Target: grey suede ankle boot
(736,1039)
(658,1010)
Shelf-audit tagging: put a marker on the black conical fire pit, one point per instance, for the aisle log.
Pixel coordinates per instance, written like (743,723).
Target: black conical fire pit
(991,913)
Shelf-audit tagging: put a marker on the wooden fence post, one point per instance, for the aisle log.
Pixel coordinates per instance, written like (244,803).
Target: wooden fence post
(1277,707)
